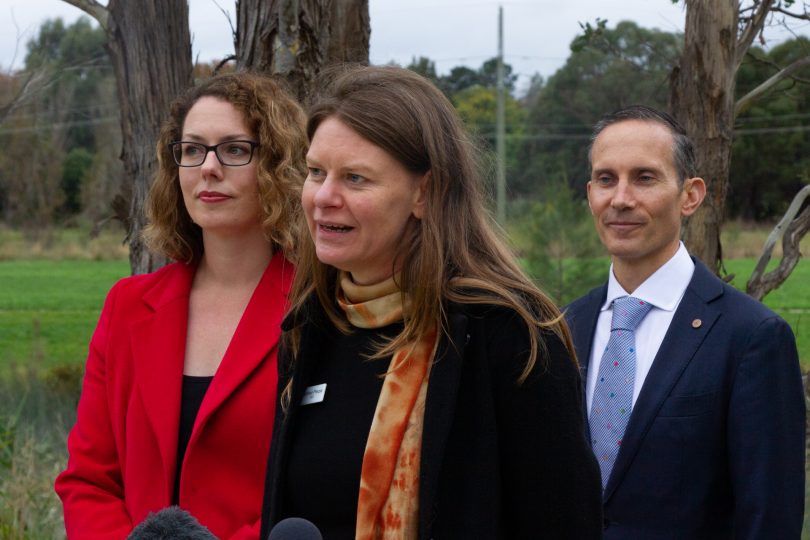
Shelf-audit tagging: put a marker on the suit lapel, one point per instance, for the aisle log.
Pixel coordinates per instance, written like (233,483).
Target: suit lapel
(158,344)
(255,338)
(677,350)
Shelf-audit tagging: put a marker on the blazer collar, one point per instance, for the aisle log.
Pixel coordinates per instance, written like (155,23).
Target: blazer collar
(677,350)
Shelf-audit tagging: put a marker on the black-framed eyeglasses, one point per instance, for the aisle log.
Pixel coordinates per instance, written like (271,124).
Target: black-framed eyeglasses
(229,153)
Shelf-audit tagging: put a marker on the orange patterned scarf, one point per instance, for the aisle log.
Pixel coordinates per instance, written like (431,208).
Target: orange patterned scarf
(388,505)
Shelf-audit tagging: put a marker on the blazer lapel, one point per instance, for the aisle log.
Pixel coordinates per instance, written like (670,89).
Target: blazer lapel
(439,411)
(158,344)
(254,339)
(677,350)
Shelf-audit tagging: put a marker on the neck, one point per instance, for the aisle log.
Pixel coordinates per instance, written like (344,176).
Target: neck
(632,273)
(235,260)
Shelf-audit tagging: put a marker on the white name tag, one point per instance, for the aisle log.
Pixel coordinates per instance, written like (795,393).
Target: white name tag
(314,394)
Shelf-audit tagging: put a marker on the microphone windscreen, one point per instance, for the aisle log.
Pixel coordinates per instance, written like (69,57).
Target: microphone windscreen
(172,523)
(295,529)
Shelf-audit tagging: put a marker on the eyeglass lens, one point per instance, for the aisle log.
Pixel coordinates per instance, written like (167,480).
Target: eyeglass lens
(190,154)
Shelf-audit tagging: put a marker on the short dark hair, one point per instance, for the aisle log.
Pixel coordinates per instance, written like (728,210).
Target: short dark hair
(683,150)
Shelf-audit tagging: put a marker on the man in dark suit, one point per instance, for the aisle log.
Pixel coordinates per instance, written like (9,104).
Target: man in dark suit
(693,389)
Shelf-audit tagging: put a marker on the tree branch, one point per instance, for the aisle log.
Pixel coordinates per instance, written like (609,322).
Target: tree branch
(744,102)
(753,27)
(760,283)
(801,16)
(99,12)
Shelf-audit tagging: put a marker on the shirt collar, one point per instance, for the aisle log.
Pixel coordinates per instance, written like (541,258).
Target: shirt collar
(664,288)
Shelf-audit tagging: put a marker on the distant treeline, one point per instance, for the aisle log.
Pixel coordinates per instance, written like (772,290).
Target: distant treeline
(61,140)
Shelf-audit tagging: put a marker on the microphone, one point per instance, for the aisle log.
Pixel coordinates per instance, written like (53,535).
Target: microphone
(295,529)
(171,523)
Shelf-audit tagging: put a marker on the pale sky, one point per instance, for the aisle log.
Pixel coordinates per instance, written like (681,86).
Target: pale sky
(537,33)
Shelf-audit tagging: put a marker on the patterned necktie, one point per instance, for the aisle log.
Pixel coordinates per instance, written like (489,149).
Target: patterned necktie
(613,395)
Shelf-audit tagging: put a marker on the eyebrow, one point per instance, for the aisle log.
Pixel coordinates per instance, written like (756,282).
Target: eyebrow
(634,170)
(231,137)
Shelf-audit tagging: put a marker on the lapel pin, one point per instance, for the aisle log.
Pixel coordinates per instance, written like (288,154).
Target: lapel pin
(697,323)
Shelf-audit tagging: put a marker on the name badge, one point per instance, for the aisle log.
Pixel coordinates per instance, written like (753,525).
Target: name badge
(314,394)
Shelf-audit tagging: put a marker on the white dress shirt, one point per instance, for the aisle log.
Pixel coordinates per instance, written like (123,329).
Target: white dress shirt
(664,290)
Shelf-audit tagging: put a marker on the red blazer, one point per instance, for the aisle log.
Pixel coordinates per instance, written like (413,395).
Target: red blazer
(123,448)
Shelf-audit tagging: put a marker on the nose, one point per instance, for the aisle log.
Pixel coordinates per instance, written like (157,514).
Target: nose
(327,193)
(623,196)
(211,167)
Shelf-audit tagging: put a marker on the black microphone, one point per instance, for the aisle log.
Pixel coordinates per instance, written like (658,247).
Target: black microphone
(171,523)
(295,529)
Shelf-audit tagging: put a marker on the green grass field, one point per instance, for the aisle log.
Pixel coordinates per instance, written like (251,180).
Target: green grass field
(48,308)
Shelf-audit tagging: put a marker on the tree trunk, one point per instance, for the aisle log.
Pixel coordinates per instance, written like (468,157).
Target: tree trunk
(296,39)
(150,50)
(702,99)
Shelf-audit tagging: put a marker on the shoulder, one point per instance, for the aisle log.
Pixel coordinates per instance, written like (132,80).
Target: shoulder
(172,277)
(735,305)
(502,335)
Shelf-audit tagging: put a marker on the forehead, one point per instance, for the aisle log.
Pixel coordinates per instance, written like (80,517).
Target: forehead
(633,143)
(215,114)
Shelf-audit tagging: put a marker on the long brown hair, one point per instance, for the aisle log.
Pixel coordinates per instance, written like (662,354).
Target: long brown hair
(277,122)
(453,254)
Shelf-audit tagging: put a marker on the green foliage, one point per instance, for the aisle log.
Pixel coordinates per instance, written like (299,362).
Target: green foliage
(558,244)
(50,136)
(74,170)
(771,150)
(463,78)
(608,69)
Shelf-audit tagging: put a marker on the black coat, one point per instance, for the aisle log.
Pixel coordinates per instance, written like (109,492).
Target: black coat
(499,460)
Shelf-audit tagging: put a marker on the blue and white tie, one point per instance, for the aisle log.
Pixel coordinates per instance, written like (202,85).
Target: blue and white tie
(613,394)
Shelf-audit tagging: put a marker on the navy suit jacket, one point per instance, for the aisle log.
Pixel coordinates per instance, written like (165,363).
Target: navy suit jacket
(715,444)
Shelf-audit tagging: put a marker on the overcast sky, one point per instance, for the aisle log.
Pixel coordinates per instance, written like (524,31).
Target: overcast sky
(537,33)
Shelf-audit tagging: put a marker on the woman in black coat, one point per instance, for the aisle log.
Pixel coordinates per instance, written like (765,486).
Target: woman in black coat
(429,389)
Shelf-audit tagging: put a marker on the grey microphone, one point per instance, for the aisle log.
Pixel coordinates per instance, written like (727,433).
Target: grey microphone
(295,529)
(171,523)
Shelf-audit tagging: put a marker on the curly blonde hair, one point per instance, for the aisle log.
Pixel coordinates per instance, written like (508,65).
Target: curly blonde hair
(278,123)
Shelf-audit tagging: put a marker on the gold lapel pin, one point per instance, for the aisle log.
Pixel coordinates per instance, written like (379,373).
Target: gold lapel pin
(697,323)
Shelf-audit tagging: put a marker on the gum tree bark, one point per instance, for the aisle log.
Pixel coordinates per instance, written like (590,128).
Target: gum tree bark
(296,39)
(150,50)
(717,37)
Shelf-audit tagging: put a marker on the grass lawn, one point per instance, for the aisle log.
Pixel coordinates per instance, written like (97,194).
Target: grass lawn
(48,309)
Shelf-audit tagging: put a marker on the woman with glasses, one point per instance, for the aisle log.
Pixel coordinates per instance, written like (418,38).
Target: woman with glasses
(429,388)
(177,404)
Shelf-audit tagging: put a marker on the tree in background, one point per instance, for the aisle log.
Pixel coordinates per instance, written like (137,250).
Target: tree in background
(718,36)
(607,69)
(150,50)
(771,148)
(296,39)
(52,124)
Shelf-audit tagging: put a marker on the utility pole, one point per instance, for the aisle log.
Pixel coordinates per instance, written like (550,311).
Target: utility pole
(500,129)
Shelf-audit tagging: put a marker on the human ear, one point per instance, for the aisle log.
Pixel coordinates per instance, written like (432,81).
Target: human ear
(420,196)
(694,191)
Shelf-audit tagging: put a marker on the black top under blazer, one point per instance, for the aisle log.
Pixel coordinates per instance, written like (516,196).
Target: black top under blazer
(499,460)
